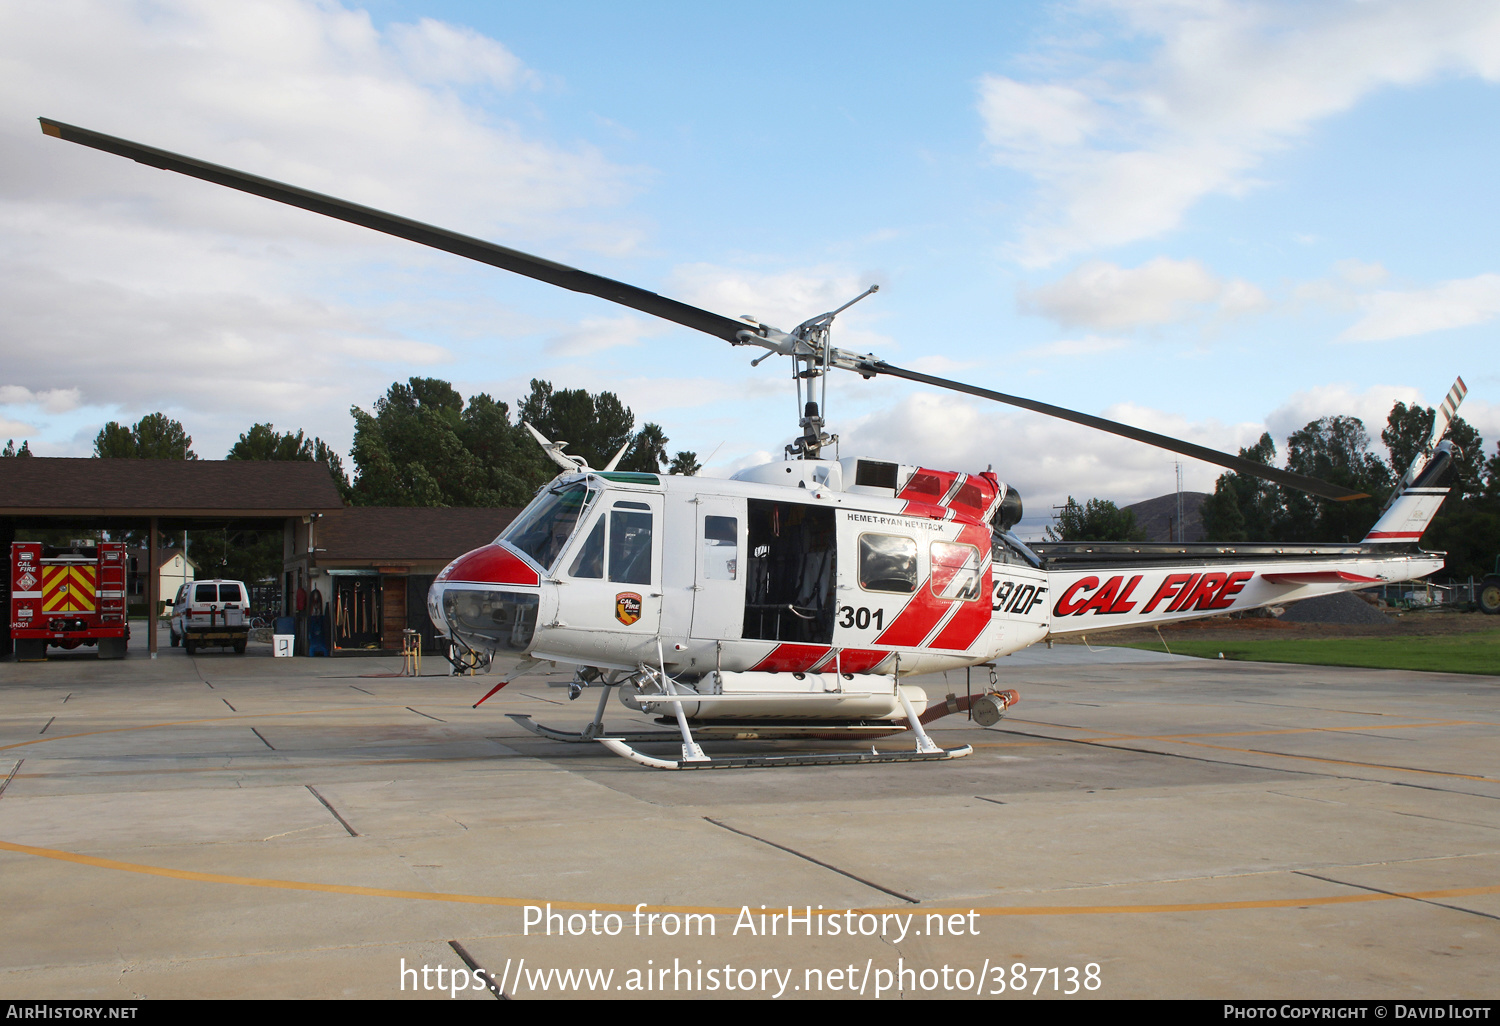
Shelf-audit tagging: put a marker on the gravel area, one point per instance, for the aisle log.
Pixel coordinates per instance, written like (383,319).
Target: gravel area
(1342,607)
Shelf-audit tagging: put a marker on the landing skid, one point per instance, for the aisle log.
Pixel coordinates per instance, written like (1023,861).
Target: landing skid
(619,747)
(693,757)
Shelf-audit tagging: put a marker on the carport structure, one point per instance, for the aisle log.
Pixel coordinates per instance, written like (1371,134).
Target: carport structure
(39,493)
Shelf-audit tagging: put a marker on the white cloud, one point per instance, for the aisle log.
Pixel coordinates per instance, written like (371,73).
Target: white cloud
(1021,117)
(785,299)
(53,400)
(1046,459)
(1049,460)
(435,51)
(1108,297)
(1341,290)
(392,350)
(942,366)
(166,293)
(596,334)
(1371,405)
(1089,345)
(1360,272)
(1484,417)
(1123,153)
(1452,304)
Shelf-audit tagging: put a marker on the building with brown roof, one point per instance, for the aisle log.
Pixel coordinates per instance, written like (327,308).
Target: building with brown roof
(370,566)
(366,569)
(154,496)
(103,491)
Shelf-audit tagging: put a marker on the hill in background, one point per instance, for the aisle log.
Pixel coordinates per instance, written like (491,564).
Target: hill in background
(1157,517)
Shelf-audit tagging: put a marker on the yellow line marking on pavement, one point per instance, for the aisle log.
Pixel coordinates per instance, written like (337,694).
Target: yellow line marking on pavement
(485,899)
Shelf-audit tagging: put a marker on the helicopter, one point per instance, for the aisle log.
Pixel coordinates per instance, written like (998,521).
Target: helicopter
(791,600)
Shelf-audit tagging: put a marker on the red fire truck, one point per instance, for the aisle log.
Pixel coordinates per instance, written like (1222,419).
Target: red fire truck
(68,597)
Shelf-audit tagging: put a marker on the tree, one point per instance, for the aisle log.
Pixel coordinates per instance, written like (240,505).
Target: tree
(1406,432)
(1336,450)
(1098,520)
(1244,507)
(153,437)
(1467,527)
(594,426)
(251,556)
(11,450)
(648,450)
(423,447)
(264,442)
(685,463)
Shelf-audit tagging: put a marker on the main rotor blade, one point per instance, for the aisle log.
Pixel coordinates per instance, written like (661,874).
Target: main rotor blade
(413,231)
(570,278)
(1238,464)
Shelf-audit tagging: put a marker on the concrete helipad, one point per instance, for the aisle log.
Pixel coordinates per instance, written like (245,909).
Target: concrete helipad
(226,826)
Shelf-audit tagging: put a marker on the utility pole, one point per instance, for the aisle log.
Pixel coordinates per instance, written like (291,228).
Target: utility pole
(1181,533)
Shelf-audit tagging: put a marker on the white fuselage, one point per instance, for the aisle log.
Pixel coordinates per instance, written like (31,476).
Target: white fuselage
(787,570)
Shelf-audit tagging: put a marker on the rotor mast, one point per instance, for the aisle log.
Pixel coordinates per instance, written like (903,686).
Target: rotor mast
(813,356)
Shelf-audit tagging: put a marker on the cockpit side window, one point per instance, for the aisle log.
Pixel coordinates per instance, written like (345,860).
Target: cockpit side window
(629,547)
(887,562)
(589,563)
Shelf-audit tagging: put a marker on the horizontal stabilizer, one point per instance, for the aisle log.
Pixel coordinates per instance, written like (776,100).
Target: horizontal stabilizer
(1321,577)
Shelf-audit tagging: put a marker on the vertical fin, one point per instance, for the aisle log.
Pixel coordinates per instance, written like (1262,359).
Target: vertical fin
(1412,508)
(1444,416)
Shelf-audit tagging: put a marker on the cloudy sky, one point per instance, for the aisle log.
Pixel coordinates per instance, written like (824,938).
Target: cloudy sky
(1206,218)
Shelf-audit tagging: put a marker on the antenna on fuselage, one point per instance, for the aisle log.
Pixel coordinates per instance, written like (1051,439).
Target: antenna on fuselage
(567,461)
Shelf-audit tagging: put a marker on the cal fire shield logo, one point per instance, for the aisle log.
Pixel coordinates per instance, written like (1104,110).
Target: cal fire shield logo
(627,607)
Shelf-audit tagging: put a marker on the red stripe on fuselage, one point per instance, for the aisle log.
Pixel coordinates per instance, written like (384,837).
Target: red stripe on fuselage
(859,660)
(793,658)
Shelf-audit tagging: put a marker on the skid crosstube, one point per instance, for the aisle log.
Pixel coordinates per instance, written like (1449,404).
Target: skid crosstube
(580,737)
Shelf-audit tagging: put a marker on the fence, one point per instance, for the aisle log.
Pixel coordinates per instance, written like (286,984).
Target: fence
(1450,592)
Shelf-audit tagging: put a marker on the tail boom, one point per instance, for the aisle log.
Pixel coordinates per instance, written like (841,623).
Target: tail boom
(1116,595)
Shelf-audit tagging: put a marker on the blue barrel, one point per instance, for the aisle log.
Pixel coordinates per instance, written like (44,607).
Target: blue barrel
(317,636)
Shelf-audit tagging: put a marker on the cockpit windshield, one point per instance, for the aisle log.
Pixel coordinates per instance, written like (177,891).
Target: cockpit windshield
(543,528)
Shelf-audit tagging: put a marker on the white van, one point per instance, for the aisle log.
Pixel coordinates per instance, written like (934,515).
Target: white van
(211,613)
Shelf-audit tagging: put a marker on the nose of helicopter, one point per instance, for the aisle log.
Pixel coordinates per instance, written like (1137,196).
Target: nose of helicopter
(491,564)
(487,599)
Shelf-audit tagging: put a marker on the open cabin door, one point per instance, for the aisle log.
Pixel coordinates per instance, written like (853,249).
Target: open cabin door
(790,572)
